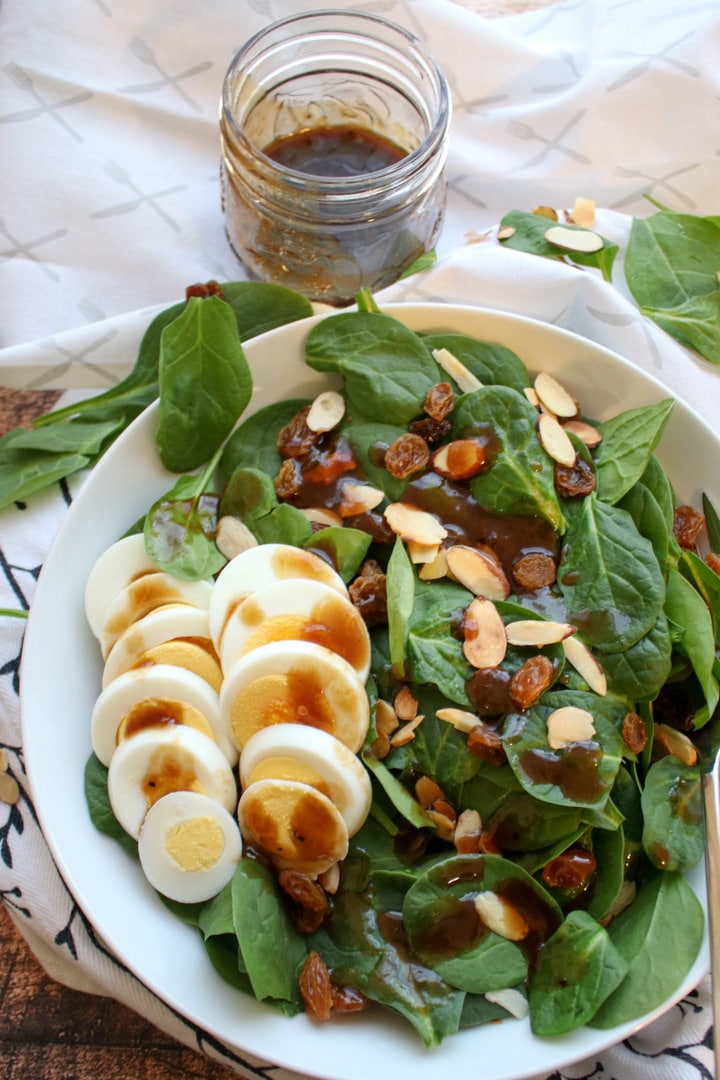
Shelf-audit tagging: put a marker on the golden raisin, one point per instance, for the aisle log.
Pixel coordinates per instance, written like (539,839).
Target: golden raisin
(570,869)
(634,732)
(346,999)
(574,480)
(531,680)
(439,401)
(432,431)
(536,570)
(310,904)
(204,290)
(315,987)
(687,525)
(713,561)
(296,439)
(289,479)
(486,743)
(406,455)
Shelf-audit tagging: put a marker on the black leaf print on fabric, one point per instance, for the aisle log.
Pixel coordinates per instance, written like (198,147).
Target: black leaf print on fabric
(14,823)
(11,898)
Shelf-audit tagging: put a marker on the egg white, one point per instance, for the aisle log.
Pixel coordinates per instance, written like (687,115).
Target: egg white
(162,624)
(145,594)
(118,565)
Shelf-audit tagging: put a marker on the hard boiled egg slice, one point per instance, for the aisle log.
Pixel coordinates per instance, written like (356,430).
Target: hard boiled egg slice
(144,595)
(302,611)
(172,634)
(297,752)
(124,561)
(259,566)
(295,825)
(294,682)
(157,761)
(189,846)
(160,696)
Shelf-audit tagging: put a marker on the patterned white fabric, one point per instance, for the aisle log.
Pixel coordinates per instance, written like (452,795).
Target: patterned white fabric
(109,203)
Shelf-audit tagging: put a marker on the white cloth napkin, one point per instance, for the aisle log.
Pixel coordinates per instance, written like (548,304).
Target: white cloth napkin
(113,108)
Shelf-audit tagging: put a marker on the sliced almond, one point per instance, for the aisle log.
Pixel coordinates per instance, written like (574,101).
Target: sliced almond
(386,719)
(406,733)
(405,704)
(457,370)
(506,231)
(586,664)
(9,790)
(233,536)
(381,747)
(553,396)
(583,212)
(326,411)
(504,920)
(548,212)
(421,554)
(413,525)
(320,515)
(485,641)
(3,759)
(585,432)
(358,498)
(511,999)
(555,440)
(531,394)
(444,826)
(460,459)
(468,832)
(577,241)
(478,572)
(538,632)
(675,742)
(427,791)
(461,719)
(569,725)
(330,879)
(436,569)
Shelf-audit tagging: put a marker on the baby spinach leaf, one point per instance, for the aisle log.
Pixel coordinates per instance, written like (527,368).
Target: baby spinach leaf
(628,441)
(260,306)
(25,472)
(248,494)
(673,833)
(611,583)
(253,444)
(578,968)
(639,672)
(712,521)
(671,266)
(522,823)
(398,794)
(204,383)
(77,437)
(435,655)
(99,808)
(179,531)
(658,936)
(693,633)
(344,547)
(491,364)
(529,235)
(386,367)
(647,513)
(369,440)
(521,479)
(707,583)
(400,593)
(608,847)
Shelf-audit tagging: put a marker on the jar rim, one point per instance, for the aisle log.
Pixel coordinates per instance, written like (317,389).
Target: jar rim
(351,21)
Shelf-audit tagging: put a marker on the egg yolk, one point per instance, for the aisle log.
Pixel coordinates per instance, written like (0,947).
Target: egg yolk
(195,844)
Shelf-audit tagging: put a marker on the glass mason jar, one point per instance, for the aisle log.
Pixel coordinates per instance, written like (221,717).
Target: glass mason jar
(334,129)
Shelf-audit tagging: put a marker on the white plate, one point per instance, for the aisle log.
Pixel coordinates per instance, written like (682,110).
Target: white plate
(61,678)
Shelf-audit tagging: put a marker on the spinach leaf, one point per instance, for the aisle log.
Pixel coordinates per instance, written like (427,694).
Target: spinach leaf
(435,655)
(712,521)
(260,306)
(99,808)
(521,479)
(522,823)
(204,381)
(707,583)
(400,593)
(658,956)
(25,472)
(628,441)
(639,672)
(673,833)
(491,364)
(578,968)
(369,440)
(344,547)
(387,368)
(529,236)
(611,583)
(693,633)
(407,806)
(671,266)
(179,530)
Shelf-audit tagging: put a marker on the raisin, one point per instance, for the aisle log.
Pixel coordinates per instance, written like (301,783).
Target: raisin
(531,680)
(296,440)
(634,732)
(346,999)
(289,479)
(713,561)
(572,481)
(486,743)
(489,691)
(374,524)
(432,431)
(439,401)
(536,570)
(315,987)
(687,526)
(310,904)
(204,290)
(570,869)
(406,455)
(368,593)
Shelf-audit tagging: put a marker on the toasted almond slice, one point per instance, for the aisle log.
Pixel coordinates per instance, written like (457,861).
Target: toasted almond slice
(386,719)
(555,440)
(413,525)
(478,572)
(509,998)
(505,232)
(675,742)
(330,879)
(444,826)
(233,536)
(4,763)
(9,789)
(320,515)
(569,725)
(538,632)
(583,212)
(457,370)
(460,459)
(553,396)
(406,733)
(586,664)
(585,432)
(461,719)
(485,641)
(468,832)
(579,241)
(427,791)
(326,411)
(504,920)
(405,704)
(436,569)
(531,394)
(422,554)
(358,498)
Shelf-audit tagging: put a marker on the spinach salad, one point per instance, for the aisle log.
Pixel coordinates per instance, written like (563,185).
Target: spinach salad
(510,865)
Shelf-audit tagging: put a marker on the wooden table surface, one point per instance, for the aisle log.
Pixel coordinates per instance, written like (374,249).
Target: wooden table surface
(48,1031)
